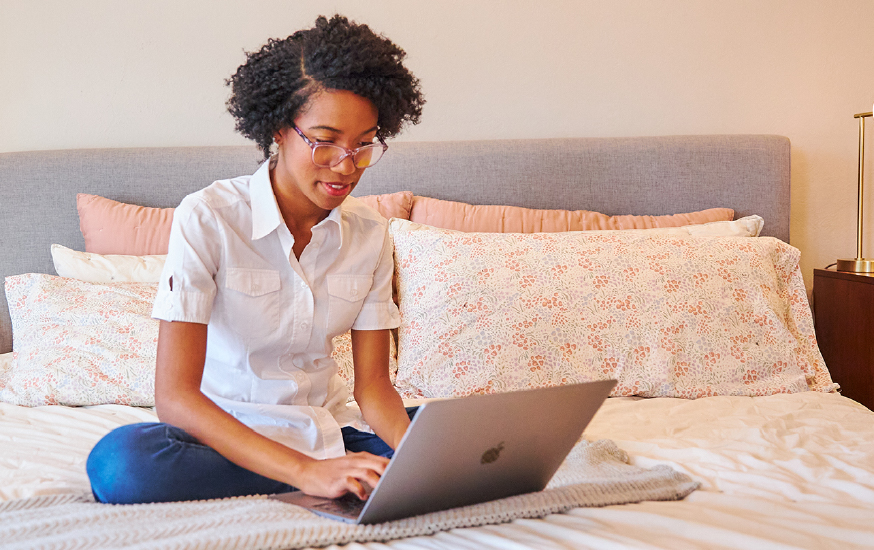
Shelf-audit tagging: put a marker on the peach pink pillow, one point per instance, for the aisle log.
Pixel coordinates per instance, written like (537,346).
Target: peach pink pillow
(460,216)
(391,205)
(112,227)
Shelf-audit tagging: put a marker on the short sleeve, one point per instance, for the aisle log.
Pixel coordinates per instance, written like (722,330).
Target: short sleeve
(379,310)
(187,287)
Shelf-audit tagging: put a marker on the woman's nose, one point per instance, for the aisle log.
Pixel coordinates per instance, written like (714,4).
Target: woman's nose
(345,166)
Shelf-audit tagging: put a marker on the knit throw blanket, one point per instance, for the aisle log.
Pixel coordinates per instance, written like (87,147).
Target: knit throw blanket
(594,474)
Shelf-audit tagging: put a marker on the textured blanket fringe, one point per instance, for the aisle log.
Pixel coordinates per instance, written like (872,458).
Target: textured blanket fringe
(596,474)
(43,501)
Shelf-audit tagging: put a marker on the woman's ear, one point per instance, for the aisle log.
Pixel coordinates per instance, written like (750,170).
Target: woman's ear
(277,142)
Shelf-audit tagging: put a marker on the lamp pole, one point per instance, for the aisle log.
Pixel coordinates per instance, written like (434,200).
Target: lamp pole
(859,264)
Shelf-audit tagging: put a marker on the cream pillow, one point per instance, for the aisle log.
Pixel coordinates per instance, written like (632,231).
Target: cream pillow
(748,226)
(111,268)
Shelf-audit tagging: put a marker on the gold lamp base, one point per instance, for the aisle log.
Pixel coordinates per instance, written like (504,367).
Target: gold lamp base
(857,265)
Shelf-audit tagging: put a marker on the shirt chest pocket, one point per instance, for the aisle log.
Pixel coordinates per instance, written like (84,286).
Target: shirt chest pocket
(346,295)
(251,300)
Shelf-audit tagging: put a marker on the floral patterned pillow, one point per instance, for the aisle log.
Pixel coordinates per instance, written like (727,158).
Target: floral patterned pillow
(666,316)
(98,268)
(79,343)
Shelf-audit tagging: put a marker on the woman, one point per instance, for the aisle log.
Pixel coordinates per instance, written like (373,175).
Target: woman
(262,272)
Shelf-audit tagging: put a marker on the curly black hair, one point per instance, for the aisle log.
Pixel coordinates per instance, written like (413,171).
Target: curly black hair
(275,83)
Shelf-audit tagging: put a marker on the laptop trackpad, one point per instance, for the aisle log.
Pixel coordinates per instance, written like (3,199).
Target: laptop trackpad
(346,508)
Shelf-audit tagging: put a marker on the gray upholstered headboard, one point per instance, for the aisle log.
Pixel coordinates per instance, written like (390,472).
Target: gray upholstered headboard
(648,175)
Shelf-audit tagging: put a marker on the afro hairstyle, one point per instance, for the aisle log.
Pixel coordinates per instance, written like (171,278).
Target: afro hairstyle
(275,83)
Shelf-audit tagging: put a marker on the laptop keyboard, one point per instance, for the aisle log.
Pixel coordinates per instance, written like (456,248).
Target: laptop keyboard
(347,505)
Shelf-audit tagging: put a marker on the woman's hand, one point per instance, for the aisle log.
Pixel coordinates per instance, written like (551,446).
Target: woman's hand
(356,473)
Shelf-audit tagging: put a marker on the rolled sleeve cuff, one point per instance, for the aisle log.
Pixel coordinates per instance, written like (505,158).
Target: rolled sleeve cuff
(378,316)
(191,307)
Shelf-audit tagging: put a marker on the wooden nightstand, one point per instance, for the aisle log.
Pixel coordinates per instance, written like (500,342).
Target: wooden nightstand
(843,305)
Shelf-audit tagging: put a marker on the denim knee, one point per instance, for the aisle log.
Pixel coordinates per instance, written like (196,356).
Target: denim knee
(117,464)
(157,462)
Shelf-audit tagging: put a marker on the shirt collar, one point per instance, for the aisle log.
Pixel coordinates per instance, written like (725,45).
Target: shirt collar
(265,210)
(266,216)
(336,216)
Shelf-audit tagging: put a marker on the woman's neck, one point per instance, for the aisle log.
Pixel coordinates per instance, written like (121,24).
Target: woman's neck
(299,214)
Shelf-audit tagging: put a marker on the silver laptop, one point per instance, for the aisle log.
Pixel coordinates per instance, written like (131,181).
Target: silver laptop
(470,450)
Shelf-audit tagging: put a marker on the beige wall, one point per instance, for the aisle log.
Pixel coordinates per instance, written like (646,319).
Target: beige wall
(95,73)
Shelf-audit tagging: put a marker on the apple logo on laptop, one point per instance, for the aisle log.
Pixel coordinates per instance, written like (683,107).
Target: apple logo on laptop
(492,454)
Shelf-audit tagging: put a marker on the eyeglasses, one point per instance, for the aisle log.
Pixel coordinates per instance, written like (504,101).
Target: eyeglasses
(328,155)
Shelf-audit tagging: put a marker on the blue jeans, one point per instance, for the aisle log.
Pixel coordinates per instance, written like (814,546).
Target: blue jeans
(157,462)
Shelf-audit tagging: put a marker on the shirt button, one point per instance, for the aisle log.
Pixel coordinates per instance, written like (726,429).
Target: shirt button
(304,325)
(354,293)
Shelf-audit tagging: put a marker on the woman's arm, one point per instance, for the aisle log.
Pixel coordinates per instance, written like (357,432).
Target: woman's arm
(381,406)
(179,401)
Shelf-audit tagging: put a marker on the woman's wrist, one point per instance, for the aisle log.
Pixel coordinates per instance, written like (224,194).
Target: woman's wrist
(393,425)
(399,435)
(295,467)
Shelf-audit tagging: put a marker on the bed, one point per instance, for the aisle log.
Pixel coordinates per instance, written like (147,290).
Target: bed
(705,325)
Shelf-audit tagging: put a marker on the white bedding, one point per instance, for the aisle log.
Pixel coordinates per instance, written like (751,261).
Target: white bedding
(785,471)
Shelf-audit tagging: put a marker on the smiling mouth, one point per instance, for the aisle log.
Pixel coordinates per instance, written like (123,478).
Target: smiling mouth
(337,189)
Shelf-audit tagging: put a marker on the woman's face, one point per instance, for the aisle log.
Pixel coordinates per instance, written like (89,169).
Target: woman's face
(333,116)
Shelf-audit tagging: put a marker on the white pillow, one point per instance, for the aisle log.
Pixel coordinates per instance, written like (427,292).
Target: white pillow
(748,226)
(98,268)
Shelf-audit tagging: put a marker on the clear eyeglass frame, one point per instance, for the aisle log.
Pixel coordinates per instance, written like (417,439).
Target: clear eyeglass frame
(328,155)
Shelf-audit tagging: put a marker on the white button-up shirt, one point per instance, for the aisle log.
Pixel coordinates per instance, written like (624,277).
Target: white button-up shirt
(271,316)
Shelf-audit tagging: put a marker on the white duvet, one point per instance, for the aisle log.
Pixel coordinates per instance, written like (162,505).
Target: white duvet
(786,471)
